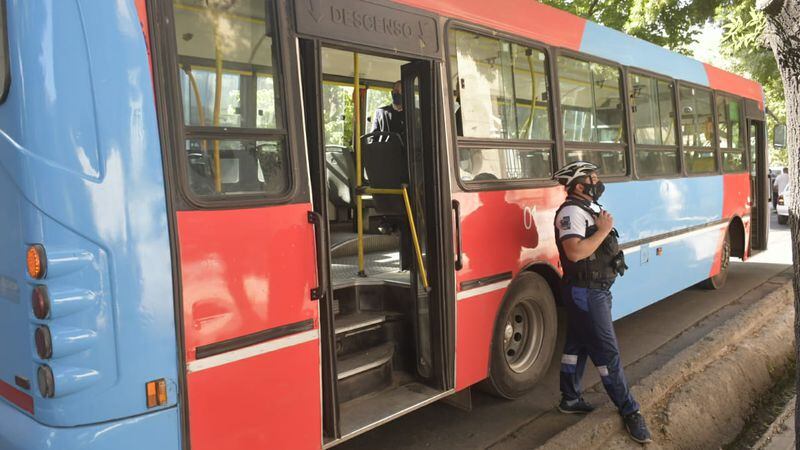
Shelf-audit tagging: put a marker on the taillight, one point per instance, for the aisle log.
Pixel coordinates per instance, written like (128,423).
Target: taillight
(44,342)
(40,301)
(47,383)
(780,200)
(36,262)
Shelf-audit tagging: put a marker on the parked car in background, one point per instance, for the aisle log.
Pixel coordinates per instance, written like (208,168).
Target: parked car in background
(783,205)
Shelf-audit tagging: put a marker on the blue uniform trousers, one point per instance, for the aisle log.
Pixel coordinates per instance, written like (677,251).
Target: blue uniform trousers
(590,332)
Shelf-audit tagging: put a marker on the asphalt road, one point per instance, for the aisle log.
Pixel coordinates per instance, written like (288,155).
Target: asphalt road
(647,338)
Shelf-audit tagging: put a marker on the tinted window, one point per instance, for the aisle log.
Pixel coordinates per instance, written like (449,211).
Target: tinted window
(500,88)
(697,125)
(591,101)
(230,83)
(653,111)
(485,164)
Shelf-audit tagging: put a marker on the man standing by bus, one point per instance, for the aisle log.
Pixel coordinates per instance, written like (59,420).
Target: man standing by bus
(591,260)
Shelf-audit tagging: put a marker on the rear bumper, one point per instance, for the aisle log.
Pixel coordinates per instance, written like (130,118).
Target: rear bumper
(158,430)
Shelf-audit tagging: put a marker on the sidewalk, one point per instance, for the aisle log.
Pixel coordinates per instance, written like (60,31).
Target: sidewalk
(780,435)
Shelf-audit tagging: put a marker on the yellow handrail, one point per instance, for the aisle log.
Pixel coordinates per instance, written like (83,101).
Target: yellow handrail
(217,104)
(357,146)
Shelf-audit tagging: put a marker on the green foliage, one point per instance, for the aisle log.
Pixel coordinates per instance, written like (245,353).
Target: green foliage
(673,24)
(744,48)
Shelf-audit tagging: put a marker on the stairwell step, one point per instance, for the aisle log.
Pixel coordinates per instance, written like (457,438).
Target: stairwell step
(364,361)
(353,322)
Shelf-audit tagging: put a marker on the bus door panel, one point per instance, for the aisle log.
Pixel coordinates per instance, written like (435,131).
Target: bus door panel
(251,329)
(758,181)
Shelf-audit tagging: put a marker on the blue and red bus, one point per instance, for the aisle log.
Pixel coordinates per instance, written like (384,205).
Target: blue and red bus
(209,242)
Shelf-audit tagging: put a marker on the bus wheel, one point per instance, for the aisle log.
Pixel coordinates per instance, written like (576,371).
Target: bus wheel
(718,280)
(524,337)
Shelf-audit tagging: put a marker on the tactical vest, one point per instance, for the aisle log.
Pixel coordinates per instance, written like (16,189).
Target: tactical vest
(596,271)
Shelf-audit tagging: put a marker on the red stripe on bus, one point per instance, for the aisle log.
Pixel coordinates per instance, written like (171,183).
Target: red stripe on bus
(527,18)
(16,397)
(735,84)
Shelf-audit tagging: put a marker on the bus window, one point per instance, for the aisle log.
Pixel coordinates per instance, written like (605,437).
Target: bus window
(230,84)
(730,139)
(697,124)
(653,113)
(485,164)
(501,88)
(591,108)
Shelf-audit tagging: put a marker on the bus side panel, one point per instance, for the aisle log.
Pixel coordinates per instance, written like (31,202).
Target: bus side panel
(268,401)
(501,232)
(82,175)
(156,431)
(737,201)
(476,318)
(247,277)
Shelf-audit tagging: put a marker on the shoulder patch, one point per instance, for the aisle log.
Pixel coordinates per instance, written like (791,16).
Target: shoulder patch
(565,223)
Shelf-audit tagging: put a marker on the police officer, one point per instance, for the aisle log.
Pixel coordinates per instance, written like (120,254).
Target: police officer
(591,260)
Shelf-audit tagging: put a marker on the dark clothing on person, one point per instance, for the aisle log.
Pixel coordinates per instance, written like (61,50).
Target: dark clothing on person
(590,333)
(586,296)
(389,120)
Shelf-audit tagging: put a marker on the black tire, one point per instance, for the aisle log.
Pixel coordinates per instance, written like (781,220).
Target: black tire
(524,337)
(718,280)
(783,220)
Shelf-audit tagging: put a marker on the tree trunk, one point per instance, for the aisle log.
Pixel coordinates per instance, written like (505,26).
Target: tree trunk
(783,35)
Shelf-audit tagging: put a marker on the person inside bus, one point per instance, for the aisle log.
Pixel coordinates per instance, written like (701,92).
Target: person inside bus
(591,260)
(391,118)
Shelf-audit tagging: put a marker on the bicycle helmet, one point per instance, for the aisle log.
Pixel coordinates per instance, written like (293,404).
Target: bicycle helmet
(572,171)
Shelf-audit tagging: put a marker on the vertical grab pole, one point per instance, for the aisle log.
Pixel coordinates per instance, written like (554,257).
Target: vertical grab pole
(417,248)
(217,104)
(357,145)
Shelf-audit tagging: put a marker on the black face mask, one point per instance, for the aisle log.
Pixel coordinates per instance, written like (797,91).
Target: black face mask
(594,190)
(397,98)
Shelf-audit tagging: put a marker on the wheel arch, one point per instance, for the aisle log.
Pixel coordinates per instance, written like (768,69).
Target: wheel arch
(550,274)
(737,235)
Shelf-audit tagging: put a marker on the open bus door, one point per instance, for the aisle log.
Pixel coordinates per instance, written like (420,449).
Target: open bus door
(759,185)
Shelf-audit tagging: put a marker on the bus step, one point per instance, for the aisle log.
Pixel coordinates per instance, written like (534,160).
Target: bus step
(365,372)
(353,323)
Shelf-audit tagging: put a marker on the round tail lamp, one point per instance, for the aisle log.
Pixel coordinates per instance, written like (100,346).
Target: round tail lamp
(47,383)
(40,301)
(36,262)
(44,342)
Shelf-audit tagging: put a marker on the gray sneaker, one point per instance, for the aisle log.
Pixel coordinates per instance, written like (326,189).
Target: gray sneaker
(637,428)
(578,406)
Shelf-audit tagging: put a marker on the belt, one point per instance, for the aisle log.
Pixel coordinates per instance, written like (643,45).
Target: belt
(598,284)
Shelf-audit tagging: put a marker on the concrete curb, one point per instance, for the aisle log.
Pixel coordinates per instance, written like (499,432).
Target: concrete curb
(777,426)
(720,365)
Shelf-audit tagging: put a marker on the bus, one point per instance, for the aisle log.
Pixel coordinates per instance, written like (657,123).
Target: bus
(212,239)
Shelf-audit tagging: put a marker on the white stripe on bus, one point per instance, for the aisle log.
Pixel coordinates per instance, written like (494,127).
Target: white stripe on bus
(483,289)
(251,351)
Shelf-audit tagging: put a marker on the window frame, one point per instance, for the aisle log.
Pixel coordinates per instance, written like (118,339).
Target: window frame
(678,147)
(288,135)
(565,146)
(714,140)
(728,97)
(5,61)
(498,143)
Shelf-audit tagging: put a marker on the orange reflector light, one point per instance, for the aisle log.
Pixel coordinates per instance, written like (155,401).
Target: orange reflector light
(36,262)
(156,393)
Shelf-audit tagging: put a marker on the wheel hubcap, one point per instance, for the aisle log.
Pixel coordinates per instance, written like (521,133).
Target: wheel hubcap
(522,336)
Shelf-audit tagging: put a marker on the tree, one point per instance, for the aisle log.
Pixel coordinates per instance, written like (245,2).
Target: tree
(783,36)
(673,24)
(744,47)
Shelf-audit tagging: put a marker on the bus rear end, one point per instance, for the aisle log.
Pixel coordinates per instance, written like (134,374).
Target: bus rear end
(86,301)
